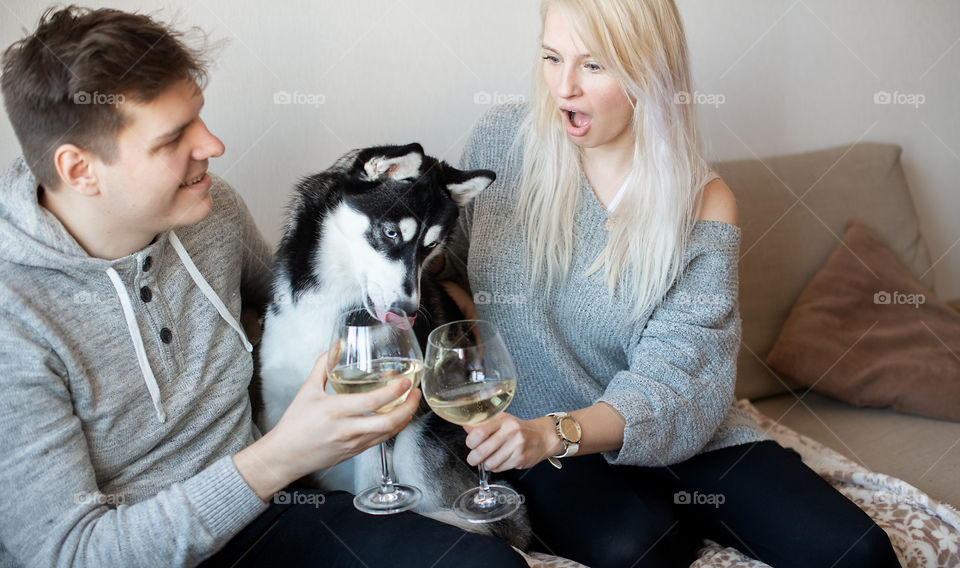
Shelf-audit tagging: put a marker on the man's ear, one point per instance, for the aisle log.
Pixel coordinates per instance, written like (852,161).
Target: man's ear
(75,166)
(394,162)
(464,186)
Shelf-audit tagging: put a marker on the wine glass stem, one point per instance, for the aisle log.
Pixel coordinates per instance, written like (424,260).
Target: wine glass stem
(386,484)
(484,496)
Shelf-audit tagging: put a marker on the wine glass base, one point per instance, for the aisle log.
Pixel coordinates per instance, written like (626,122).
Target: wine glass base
(376,502)
(501,503)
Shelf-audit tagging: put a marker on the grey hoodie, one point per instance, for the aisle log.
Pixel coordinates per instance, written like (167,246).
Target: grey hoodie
(123,387)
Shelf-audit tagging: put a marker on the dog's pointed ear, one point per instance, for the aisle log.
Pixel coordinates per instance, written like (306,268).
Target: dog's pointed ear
(464,186)
(394,162)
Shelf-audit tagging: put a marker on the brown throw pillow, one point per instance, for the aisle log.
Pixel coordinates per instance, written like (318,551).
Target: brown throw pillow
(866,332)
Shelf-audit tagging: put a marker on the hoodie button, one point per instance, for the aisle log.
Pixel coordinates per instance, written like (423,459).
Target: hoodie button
(166,335)
(145,294)
(147,263)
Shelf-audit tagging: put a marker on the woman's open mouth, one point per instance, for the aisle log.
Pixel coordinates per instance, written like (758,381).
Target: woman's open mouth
(577,122)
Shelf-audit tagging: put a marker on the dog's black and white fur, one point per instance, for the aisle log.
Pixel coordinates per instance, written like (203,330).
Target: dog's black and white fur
(360,234)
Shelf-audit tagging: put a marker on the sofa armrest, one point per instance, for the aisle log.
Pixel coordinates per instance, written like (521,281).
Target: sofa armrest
(955,304)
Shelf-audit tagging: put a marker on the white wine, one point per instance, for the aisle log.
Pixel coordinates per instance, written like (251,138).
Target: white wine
(375,374)
(473,403)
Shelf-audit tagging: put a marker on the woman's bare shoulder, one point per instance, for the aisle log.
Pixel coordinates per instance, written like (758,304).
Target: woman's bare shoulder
(719,204)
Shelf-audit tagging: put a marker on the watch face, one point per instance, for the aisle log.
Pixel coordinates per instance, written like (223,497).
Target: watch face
(570,429)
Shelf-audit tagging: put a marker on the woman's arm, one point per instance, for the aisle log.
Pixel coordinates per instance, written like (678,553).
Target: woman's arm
(507,442)
(680,383)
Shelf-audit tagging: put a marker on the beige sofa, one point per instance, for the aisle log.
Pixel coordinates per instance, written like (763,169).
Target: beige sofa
(793,211)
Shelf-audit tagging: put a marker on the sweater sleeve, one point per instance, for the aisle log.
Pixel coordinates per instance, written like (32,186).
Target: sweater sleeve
(54,513)
(682,362)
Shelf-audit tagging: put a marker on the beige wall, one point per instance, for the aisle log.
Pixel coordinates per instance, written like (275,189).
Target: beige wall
(790,75)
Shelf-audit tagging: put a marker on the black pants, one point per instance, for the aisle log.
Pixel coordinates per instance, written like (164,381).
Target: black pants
(324,529)
(758,498)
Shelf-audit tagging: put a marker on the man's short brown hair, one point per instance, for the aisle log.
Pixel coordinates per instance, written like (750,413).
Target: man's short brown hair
(65,82)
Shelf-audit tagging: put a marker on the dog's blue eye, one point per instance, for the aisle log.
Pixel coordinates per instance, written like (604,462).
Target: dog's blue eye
(389,233)
(432,245)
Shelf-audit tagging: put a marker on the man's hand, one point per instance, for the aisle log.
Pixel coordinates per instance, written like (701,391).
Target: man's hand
(319,430)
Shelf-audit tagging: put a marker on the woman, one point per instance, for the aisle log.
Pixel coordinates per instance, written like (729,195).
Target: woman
(616,292)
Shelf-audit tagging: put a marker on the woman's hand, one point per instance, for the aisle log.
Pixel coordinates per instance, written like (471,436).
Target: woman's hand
(505,442)
(319,430)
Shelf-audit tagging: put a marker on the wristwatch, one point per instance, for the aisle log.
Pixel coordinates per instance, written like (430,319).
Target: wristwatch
(568,429)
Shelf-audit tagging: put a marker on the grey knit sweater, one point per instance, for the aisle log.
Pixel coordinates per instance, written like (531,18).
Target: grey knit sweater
(671,374)
(108,458)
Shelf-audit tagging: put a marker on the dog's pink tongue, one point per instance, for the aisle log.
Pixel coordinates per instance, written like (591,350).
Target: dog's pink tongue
(399,321)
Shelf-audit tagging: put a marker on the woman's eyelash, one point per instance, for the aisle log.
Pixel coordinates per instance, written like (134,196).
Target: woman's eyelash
(592,65)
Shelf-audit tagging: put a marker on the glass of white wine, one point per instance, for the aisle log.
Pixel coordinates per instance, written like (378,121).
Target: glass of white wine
(469,378)
(367,354)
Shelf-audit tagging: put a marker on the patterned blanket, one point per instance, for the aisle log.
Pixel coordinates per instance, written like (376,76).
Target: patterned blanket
(924,532)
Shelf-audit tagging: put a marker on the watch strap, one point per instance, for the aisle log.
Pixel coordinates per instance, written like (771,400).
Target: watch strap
(570,447)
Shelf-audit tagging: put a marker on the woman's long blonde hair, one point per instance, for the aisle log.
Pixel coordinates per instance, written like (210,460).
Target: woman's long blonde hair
(641,42)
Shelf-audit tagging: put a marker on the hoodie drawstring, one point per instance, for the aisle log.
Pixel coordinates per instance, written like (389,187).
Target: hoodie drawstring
(130,316)
(207,290)
(145,370)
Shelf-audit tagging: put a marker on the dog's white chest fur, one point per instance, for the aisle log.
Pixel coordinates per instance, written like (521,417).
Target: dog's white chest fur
(291,343)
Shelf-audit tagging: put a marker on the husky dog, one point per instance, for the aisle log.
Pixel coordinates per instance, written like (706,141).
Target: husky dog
(360,235)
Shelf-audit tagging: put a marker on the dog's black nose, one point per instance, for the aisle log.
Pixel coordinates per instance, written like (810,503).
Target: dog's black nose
(408,307)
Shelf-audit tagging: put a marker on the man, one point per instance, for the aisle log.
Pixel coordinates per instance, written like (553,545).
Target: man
(124,264)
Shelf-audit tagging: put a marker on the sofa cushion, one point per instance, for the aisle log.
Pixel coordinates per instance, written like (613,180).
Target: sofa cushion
(864,331)
(793,210)
(924,452)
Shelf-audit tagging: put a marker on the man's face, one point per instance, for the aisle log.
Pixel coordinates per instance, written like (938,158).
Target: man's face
(159,180)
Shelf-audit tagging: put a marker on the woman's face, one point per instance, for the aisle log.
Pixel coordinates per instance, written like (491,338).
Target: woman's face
(594,108)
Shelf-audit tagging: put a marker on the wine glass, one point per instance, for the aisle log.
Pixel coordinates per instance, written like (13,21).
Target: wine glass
(469,378)
(366,354)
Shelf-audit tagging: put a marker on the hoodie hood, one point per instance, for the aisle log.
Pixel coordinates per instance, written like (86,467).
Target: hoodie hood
(32,236)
